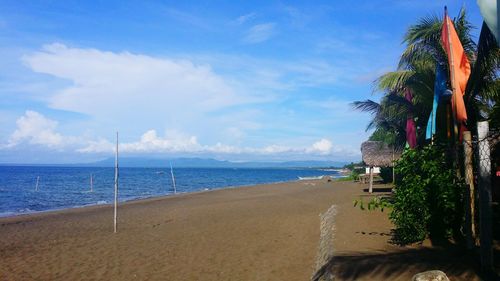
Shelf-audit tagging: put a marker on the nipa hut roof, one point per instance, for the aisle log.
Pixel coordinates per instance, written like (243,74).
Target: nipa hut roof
(378,154)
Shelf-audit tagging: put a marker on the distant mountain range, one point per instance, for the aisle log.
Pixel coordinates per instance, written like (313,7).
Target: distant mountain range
(208,163)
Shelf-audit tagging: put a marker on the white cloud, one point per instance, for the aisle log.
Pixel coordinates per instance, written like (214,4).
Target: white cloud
(172,142)
(259,33)
(275,149)
(245,18)
(323,147)
(177,142)
(125,88)
(35,128)
(99,146)
(218,109)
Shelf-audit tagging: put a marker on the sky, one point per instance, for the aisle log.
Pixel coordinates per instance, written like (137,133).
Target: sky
(230,80)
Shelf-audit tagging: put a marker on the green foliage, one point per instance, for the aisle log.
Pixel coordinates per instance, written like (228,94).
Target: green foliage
(384,136)
(353,165)
(376,203)
(355,172)
(386,174)
(428,197)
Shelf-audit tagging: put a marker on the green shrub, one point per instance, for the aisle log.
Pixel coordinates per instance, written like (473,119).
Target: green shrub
(386,174)
(428,197)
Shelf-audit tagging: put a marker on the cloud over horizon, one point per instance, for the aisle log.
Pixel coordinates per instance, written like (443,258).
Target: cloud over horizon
(187,100)
(35,129)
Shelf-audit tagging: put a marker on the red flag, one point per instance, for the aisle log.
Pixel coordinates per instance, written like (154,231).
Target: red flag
(411,131)
(459,68)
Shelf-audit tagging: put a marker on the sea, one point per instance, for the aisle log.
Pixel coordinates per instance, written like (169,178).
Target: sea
(32,189)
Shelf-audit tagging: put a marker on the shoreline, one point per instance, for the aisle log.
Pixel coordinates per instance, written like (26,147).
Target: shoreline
(58,192)
(164,196)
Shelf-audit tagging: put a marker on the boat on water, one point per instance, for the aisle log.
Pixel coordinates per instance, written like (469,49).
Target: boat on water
(311,178)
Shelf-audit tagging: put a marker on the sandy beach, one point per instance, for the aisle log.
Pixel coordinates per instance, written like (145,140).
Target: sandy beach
(265,232)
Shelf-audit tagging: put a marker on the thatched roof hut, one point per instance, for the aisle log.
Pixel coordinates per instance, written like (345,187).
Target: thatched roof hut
(378,154)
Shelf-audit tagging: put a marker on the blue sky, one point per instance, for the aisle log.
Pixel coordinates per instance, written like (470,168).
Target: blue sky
(240,81)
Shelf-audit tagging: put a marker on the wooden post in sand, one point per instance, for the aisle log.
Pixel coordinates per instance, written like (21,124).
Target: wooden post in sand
(393,165)
(470,227)
(116,182)
(370,189)
(37,181)
(173,178)
(91,183)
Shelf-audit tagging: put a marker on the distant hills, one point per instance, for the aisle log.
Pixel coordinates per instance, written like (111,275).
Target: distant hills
(209,163)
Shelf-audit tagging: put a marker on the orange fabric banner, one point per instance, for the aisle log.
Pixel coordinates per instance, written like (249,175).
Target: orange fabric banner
(459,68)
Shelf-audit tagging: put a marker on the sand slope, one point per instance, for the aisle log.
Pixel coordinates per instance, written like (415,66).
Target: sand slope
(267,232)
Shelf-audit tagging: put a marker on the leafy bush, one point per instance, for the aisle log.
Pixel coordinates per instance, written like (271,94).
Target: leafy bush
(386,174)
(355,171)
(375,203)
(428,197)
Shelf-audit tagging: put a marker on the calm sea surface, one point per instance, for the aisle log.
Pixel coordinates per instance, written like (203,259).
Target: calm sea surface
(69,187)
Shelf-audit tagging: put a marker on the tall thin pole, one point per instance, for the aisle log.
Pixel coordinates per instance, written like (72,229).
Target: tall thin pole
(393,165)
(37,181)
(116,182)
(173,178)
(485,216)
(91,183)
(452,72)
(470,228)
(370,188)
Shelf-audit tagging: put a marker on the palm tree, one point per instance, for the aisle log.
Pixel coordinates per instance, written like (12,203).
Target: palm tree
(387,122)
(417,71)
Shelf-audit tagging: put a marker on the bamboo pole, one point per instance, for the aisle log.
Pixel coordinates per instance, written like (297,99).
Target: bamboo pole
(469,180)
(116,184)
(173,178)
(91,183)
(452,74)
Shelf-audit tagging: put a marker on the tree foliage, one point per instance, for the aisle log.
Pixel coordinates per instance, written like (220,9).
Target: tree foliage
(428,197)
(417,71)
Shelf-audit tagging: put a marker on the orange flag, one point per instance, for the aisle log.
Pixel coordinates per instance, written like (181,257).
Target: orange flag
(459,68)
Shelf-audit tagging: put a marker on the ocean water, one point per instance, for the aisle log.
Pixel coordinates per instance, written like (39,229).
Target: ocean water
(69,187)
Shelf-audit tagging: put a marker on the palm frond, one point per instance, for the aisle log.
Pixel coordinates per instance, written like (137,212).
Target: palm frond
(393,81)
(366,106)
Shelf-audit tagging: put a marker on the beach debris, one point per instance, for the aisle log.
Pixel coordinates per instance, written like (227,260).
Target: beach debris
(432,275)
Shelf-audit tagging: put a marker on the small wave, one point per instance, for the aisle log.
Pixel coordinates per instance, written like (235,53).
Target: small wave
(7,214)
(311,178)
(19,212)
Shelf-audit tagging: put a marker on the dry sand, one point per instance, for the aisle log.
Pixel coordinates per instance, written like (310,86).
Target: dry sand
(266,232)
